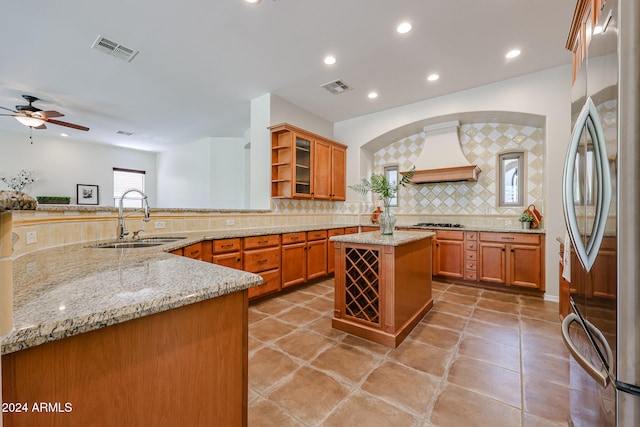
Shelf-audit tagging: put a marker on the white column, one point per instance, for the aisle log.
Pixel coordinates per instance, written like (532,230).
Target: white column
(6,281)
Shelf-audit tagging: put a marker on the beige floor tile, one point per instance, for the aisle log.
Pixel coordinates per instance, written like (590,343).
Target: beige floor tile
(422,357)
(501,306)
(540,327)
(553,346)
(453,308)
(467,300)
(303,344)
(493,332)
(350,363)
(465,290)
(270,329)
(501,296)
(541,313)
(549,368)
(401,385)
(492,352)
(445,320)
(265,414)
(321,304)
(492,380)
(546,400)
(435,336)
(309,395)
(369,411)
(371,346)
(457,406)
(323,327)
(271,306)
(299,315)
(495,317)
(267,367)
(533,421)
(255,315)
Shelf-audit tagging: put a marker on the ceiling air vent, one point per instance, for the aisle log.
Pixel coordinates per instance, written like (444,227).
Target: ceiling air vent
(114,49)
(336,87)
(125,133)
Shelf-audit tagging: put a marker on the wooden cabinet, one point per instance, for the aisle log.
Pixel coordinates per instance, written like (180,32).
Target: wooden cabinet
(193,251)
(511,259)
(585,16)
(227,252)
(305,165)
(261,255)
(331,249)
(316,254)
(365,229)
(448,253)
(294,254)
(471,255)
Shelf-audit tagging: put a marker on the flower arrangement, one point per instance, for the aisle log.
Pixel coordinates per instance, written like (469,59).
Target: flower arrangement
(18,182)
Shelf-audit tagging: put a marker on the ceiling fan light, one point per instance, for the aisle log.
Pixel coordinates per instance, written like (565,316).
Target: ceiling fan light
(29,121)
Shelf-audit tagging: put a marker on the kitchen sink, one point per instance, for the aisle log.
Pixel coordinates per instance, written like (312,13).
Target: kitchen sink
(142,243)
(127,245)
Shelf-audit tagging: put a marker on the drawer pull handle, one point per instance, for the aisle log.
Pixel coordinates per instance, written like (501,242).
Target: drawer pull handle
(263,241)
(262,261)
(507,238)
(228,245)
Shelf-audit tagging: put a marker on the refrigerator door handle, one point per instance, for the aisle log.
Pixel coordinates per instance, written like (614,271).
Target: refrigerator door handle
(602,376)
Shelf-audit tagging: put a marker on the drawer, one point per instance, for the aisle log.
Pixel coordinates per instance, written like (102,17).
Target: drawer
(193,251)
(351,230)
(471,245)
(316,235)
(262,260)
(533,239)
(261,241)
(271,284)
(471,255)
(470,264)
(365,229)
(226,245)
(449,235)
(471,235)
(335,232)
(287,239)
(470,275)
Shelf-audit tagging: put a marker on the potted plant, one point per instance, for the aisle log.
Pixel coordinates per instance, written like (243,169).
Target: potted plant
(525,219)
(53,200)
(385,190)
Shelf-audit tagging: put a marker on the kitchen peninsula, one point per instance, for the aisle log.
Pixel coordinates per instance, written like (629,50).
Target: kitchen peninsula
(126,337)
(382,284)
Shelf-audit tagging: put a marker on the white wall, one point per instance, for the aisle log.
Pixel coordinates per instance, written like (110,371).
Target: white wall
(60,163)
(547,93)
(285,112)
(208,173)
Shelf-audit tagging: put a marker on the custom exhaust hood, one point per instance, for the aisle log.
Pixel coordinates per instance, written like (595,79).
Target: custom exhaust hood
(441,159)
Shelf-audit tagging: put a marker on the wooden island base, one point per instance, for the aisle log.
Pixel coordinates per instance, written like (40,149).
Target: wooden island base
(382,284)
(186,366)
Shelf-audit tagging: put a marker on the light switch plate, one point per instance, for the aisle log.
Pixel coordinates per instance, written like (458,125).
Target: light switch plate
(231,222)
(31,237)
(159,224)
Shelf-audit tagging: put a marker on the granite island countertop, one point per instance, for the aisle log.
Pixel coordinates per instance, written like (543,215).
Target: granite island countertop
(73,289)
(398,238)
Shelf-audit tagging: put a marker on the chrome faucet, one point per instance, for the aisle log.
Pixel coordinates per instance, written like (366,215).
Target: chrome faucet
(122,228)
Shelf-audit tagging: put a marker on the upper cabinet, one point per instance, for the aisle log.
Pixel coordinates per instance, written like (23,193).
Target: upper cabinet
(305,165)
(585,16)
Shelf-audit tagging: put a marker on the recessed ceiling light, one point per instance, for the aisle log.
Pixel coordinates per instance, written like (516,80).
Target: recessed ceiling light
(329,60)
(512,53)
(253,1)
(64,134)
(433,77)
(404,28)
(372,95)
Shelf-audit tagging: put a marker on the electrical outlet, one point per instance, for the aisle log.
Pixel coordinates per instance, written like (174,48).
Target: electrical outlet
(159,224)
(31,237)
(231,222)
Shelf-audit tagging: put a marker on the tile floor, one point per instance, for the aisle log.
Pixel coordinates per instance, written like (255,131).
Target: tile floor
(478,358)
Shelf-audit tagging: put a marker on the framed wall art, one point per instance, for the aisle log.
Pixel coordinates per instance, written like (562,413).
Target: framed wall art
(87,194)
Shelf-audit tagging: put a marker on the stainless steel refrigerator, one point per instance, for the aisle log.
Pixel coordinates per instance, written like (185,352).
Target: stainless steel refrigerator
(601,188)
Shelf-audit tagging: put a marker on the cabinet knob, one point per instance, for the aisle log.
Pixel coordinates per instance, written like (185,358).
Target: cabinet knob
(502,249)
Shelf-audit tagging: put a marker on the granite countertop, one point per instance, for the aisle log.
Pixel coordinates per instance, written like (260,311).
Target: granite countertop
(398,238)
(73,289)
(477,228)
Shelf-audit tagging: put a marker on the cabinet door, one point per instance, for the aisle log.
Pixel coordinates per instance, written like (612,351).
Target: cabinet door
(449,261)
(603,275)
(321,169)
(492,262)
(271,284)
(316,259)
(331,249)
(338,173)
(293,264)
(303,167)
(256,261)
(525,265)
(193,251)
(232,260)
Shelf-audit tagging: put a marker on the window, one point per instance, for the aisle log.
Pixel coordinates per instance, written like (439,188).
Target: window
(126,179)
(391,173)
(511,180)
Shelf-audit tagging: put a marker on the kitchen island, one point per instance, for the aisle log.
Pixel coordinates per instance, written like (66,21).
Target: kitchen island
(126,337)
(382,284)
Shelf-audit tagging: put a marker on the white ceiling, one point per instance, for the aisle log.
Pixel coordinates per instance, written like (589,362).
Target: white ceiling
(201,62)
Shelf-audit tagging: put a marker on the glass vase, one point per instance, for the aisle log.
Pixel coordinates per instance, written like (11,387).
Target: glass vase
(387,220)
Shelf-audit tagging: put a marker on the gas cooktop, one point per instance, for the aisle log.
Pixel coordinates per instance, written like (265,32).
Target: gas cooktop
(437,224)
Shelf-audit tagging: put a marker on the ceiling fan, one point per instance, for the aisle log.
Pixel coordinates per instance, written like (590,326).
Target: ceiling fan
(35,118)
